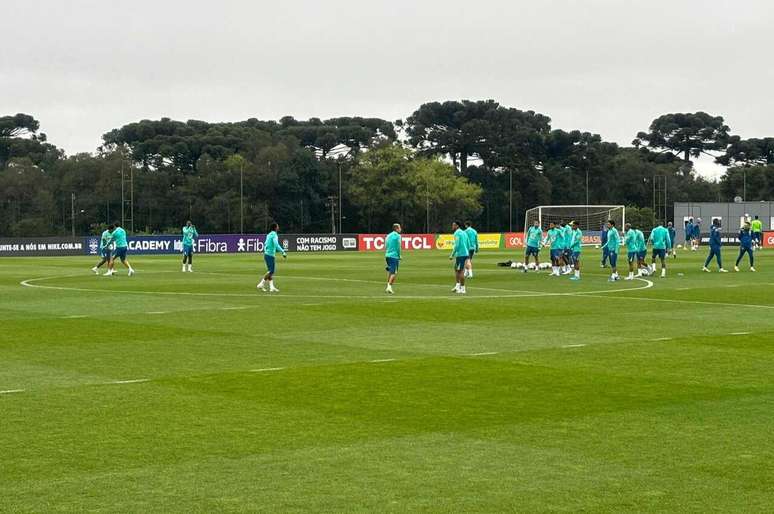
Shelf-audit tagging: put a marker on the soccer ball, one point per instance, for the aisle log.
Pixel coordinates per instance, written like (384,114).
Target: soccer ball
(544,265)
(596,246)
(531,265)
(514,265)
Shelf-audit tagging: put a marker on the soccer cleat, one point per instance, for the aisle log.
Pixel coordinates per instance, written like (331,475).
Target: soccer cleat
(389,290)
(108,273)
(663,273)
(95,270)
(736,268)
(261,285)
(705,269)
(574,278)
(131,272)
(183,270)
(752,269)
(273,289)
(456,288)
(721,270)
(630,277)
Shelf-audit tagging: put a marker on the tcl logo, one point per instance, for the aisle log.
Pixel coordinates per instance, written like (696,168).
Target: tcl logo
(514,240)
(375,242)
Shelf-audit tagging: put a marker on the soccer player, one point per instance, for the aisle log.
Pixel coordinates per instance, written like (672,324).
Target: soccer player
(270,248)
(392,246)
(561,245)
(672,235)
(642,252)
(460,254)
(632,249)
(659,238)
(105,242)
(575,247)
(189,234)
(715,243)
(756,227)
(472,247)
(696,240)
(555,241)
(119,239)
(603,243)
(613,241)
(568,234)
(745,246)
(688,232)
(534,237)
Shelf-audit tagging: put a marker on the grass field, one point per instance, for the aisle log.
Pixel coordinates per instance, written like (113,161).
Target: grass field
(194,393)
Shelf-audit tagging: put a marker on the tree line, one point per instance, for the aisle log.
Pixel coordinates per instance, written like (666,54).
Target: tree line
(453,159)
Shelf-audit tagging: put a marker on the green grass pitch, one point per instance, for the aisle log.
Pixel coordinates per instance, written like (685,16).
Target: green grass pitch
(172,392)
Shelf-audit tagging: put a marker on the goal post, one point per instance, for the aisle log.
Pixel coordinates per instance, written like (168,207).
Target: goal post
(590,218)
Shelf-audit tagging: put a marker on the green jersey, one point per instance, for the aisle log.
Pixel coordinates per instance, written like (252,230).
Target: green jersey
(119,237)
(272,244)
(641,247)
(392,245)
(576,241)
(189,233)
(660,238)
(472,238)
(613,240)
(461,244)
(105,239)
(555,238)
(630,240)
(534,236)
(756,226)
(568,234)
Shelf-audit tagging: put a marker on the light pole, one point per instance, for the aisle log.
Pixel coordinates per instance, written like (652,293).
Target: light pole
(510,200)
(338,162)
(241,197)
(72,213)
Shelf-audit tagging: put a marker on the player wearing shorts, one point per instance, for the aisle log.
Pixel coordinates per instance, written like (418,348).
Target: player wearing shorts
(189,234)
(603,242)
(105,248)
(576,243)
(659,238)
(642,252)
(534,237)
(460,254)
(567,255)
(122,246)
(392,247)
(554,241)
(745,246)
(613,242)
(472,247)
(672,235)
(756,228)
(270,249)
(632,249)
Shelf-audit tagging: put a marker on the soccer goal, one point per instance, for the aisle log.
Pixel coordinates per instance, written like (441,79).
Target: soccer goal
(589,217)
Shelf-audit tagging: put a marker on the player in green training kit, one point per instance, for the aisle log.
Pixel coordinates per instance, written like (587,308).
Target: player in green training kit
(472,247)
(118,238)
(659,237)
(189,234)
(105,248)
(270,248)
(632,249)
(613,242)
(534,237)
(756,228)
(575,247)
(460,254)
(392,245)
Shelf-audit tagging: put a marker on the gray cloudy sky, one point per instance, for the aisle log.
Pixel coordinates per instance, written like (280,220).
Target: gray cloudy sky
(84,67)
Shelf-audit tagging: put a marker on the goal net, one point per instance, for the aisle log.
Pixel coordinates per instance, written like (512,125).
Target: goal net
(591,218)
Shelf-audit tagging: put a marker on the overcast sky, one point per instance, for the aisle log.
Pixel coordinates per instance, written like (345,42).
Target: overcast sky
(84,67)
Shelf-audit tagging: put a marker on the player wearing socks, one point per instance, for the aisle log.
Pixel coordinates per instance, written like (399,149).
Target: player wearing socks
(696,239)
(460,254)
(672,235)
(534,237)
(715,243)
(270,249)
(632,249)
(554,241)
(567,254)
(613,241)
(122,246)
(392,247)
(105,251)
(659,238)
(189,234)
(642,252)
(603,242)
(745,246)
(575,247)
(756,228)
(472,247)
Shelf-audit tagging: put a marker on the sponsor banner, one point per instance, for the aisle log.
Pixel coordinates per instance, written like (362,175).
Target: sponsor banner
(444,241)
(205,243)
(489,241)
(768,239)
(592,239)
(40,246)
(375,242)
(319,242)
(514,239)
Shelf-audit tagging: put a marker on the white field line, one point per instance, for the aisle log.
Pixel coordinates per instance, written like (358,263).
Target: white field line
(12,391)
(260,370)
(233,308)
(662,339)
(75,316)
(157,312)
(482,353)
(132,381)
(738,333)
(694,302)
(573,345)
(383,360)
